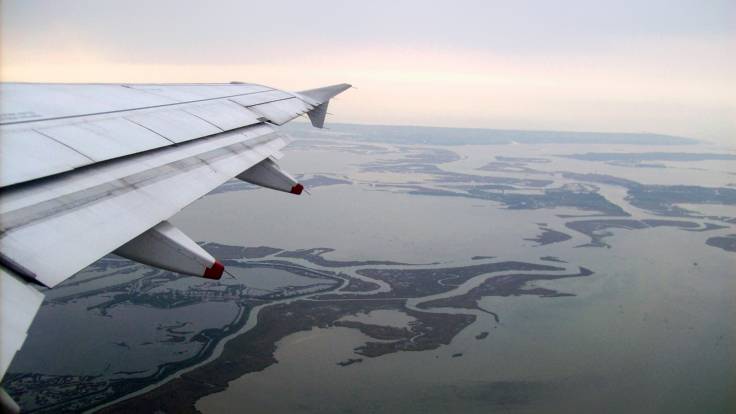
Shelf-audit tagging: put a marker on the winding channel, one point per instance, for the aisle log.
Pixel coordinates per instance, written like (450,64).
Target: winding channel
(411,303)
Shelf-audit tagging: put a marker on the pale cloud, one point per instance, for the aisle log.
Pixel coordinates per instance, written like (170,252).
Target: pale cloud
(677,80)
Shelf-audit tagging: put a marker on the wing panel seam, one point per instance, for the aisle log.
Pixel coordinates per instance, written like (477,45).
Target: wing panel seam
(197,116)
(62,143)
(143,126)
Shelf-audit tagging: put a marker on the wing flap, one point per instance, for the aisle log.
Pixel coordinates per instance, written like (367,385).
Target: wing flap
(57,229)
(27,154)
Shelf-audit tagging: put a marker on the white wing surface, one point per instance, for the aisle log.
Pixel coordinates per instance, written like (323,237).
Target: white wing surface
(90,169)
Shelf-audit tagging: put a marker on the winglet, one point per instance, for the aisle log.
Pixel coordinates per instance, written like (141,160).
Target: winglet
(320,98)
(318,114)
(322,95)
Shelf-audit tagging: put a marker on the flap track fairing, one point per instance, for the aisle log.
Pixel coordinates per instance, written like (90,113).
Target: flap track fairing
(268,174)
(166,247)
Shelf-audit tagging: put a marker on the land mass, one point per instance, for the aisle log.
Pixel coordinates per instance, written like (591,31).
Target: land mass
(549,236)
(727,243)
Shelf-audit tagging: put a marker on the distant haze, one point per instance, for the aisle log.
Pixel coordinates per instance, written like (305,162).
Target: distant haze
(660,66)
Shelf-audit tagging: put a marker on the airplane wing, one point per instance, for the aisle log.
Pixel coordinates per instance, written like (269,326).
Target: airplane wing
(90,169)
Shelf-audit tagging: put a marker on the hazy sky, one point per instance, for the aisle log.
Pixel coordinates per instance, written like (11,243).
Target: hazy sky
(623,65)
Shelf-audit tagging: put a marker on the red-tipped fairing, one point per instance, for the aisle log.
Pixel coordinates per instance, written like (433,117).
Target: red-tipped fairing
(297,189)
(166,247)
(268,174)
(215,271)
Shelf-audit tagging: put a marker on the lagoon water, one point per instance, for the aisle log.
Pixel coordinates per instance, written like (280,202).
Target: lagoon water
(650,331)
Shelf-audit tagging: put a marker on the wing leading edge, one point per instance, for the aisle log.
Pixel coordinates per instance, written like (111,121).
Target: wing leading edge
(86,170)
